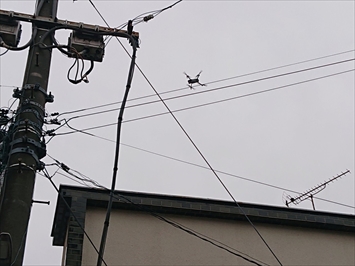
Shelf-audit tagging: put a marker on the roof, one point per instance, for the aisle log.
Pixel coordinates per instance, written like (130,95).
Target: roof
(81,197)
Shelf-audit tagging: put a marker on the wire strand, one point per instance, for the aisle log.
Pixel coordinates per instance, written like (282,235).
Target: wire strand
(206,104)
(193,233)
(204,158)
(46,174)
(175,224)
(204,167)
(211,90)
(200,105)
(211,82)
(214,172)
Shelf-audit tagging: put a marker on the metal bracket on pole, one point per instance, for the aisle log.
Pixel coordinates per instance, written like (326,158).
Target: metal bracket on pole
(39,116)
(47,22)
(30,152)
(18,93)
(35,104)
(41,202)
(41,146)
(28,125)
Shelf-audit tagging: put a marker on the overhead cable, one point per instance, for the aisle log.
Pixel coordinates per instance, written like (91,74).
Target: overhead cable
(46,174)
(194,233)
(144,17)
(211,82)
(204,167)
(206,161)
(216,175)
(173,223)
(202,92)
(238,97)
(206,104)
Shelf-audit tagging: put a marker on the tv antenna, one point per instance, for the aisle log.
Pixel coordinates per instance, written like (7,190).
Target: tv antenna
(309,194)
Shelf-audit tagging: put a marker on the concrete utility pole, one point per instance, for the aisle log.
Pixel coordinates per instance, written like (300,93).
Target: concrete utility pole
(26,147)
(23,146)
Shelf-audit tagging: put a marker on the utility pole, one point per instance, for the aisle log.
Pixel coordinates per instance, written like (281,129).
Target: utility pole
(25,145)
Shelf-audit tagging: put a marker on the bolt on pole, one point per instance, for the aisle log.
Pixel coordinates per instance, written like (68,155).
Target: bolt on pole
(25,145)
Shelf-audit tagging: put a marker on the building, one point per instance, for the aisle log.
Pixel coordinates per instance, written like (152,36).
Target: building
(150,229)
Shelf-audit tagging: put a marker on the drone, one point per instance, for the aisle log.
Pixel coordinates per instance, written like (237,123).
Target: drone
(193,81)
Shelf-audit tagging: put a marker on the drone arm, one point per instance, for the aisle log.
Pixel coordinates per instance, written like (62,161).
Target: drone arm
(187,76)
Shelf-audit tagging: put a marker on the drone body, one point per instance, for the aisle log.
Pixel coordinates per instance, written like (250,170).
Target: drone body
(191,81)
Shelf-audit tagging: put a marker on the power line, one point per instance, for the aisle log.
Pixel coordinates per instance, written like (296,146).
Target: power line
(204,167)
(283,66)
(171,222)
(240,96)
(223,172)
(205,91)
(68,207)
(203,157)
(117,143)
(144,17)
(219,80)
(98,12)
(216,81)
(194,233)
(216,175)
(210,103)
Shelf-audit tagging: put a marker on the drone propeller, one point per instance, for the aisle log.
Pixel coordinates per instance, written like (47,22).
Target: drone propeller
(187,76)
(198,75)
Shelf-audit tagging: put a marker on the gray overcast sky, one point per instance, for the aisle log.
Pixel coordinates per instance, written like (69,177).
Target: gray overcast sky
(295,137)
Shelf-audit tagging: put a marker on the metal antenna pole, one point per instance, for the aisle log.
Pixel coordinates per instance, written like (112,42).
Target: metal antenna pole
(25,133)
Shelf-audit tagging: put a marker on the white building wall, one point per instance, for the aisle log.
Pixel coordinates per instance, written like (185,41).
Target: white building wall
(137,238)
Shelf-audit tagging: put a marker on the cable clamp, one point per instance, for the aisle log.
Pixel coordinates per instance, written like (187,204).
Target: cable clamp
(17,93)
(50,132)
(54,121)
(33,87)
(147,18)
(41,146)
(29,151)
(21,166)
(29,102)
(35,112)
(29,123)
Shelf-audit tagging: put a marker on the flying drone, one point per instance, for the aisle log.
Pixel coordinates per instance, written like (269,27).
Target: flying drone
(193,81)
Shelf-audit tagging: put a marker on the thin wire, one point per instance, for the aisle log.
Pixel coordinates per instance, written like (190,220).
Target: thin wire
(211,82)
(222,172)
(203,157)
(206,104)
(67,170)
(46,174)
(22,242)
(214,89)
(8,86)
(98,12)
(192,232)
(283,66)
(204,167)
(4,52)
(216,175)
(217,88)
(238,97)
(138,19)
(175,224)
(12,103)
